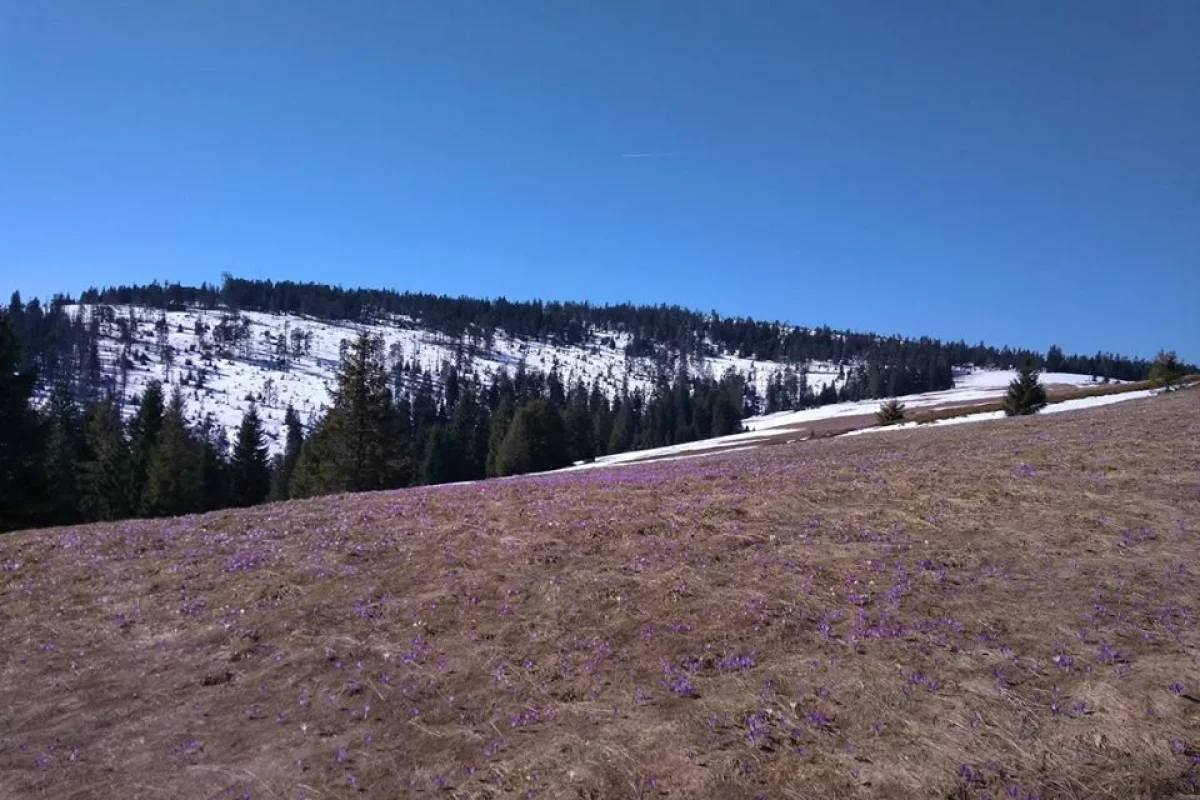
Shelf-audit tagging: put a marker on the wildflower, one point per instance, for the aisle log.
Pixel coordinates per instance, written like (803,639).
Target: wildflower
(736,662)
(818,719)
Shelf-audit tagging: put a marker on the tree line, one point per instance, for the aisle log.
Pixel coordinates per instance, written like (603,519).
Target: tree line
(74,458)
(652,331)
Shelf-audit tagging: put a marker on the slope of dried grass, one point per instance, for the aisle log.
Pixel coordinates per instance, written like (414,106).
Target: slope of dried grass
(999,610)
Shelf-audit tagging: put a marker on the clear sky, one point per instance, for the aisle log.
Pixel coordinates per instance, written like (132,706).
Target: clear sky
(1023,172)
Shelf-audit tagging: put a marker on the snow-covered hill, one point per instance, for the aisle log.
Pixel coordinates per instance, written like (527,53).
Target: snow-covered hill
(222,360)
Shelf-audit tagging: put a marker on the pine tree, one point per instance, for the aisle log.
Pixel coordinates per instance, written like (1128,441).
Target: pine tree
(351,449)
(890,412)
(104,477)
(623,431)
(1166,370)
(727,411)
(469,430)
(1026,395)
(1054,359)
(174,480)
(22,501)
(441,461)
(214,469)
(249,467)
(424,405)
(403,440)
(535,440)
(281,474)
(143,436)
(64,454)
(498,429)
(578,421)
(318,469)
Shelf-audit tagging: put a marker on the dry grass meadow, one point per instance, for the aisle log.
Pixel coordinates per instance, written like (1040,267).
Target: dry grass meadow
(1003,610)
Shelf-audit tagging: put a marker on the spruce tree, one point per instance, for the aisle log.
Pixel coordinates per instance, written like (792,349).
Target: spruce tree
(22,501)
(620,439)
(1054,359)
(249,466)
(214,469)
(1166,370)
(498,429)
(580,444)
(403,440)
(64,454)
(726,415)
(174,479)
(143,436)
(351,449)
(535,440)
(318,469)
(1026,395)
(890,412)
(476,451)
(441,460)
(104,477)
(281,475)
(469,430)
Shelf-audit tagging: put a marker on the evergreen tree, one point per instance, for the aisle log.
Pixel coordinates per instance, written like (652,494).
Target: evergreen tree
(623,429)
(451,388)
(1054,359)
(1026,395)
(469,430)
(351,449)
(441,461)
(214,469)
(64,454)
(424,405)
(318,470)
(498,429)
(249,467)
(727,411)
(1166,371)
(555,392)
(174,480)
(21,496)
(403,440)
(143,436)
(890,412)
(285,466)
(104,476)
(578,421)
(535,440)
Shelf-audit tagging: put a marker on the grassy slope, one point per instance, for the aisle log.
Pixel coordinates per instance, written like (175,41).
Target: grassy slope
(1055,394)
(947,613)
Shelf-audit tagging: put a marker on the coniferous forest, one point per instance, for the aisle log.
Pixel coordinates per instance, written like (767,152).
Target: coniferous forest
(68,454)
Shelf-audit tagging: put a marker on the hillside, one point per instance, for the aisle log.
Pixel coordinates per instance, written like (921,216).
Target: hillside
(1000,610)
(278,359)
(277,344)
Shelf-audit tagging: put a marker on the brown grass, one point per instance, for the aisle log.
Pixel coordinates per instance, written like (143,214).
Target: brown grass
(942,614)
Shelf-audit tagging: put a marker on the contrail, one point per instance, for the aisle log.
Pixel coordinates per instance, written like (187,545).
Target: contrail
(666,154)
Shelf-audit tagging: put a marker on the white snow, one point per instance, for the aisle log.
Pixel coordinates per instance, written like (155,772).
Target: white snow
(234,372)
(1053,408)
(980,386)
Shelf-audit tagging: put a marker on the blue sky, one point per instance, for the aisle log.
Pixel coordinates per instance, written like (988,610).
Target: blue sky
(1018,172)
